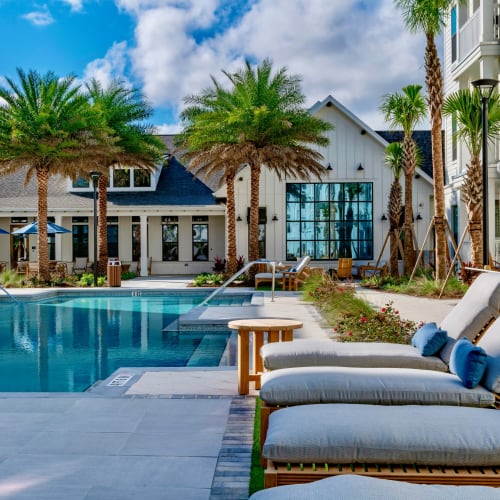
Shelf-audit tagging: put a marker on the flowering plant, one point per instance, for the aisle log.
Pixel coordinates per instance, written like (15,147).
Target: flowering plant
(378,326)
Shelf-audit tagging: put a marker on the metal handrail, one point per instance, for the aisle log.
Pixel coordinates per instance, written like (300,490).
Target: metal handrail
(238,273)
(9,295)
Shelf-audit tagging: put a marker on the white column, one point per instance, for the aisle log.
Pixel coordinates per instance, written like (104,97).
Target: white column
(144,245)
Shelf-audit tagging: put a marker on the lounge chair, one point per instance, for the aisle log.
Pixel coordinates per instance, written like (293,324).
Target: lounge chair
(422,444)
(474,312)
(384,386)
(80,265)
(290,278)
(355,487)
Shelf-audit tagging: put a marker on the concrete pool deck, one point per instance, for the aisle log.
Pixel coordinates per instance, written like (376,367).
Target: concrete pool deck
(156,433)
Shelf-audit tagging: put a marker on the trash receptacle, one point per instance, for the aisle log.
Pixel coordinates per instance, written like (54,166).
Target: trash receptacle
(114,273)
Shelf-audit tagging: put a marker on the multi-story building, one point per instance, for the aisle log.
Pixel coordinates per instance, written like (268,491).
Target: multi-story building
(471,52)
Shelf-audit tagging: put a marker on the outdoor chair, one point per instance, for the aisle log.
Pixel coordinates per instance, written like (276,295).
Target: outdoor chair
(22,267)
(421,444)
(80,265)
(344,269)
(370,270)
(383,386)
(354,487)
(469,318)
(290,278)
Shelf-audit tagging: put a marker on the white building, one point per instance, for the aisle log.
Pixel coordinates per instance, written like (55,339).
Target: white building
(177,223)
(471,52)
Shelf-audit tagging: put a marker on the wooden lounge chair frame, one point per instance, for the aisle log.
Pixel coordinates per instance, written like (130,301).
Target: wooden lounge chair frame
(279,474)
(290,279)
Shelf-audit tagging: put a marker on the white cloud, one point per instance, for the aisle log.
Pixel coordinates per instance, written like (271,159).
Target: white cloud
(110,67)
(166,128)
(355,50)
(76,5)
(42,17)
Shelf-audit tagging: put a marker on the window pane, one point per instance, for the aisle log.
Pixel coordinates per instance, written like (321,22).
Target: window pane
(142,178)
(200,242)
(332,220)
(293,192)
(170,242)
(121,178)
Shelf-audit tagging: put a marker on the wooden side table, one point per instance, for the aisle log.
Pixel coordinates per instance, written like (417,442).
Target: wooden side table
(276,329)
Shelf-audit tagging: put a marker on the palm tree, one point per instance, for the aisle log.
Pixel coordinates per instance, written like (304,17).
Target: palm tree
(466,106)
(46,125)
(259,121)
(428,16)
(394,160)
(406,110)
(122,110)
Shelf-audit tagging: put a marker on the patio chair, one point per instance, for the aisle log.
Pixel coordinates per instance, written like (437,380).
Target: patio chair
(344,269)
(290,278)
(354,487)
(22,267)
(421,444)
(384,386)
(80,265)
(469,318)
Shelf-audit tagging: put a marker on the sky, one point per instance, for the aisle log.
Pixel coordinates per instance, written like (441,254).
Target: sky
(355,50)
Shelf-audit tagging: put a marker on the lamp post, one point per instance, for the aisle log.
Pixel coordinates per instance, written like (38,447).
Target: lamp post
(95,180)
(485,87)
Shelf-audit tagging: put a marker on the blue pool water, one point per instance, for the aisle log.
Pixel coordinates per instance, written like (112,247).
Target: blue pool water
(68,343)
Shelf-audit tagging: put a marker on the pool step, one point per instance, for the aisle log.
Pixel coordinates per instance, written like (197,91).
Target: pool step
(209,350)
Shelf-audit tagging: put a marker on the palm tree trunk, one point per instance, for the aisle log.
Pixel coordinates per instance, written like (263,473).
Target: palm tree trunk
(394,210)
(42,176)
(434,84)
(102,226)
(231,224)
(409,170)
(473,198)
(253,234)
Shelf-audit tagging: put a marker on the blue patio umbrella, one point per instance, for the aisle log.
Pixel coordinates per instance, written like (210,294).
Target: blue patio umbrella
(32,228)
(3,231)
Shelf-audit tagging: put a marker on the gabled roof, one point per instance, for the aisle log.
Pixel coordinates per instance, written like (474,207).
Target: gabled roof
(423,140)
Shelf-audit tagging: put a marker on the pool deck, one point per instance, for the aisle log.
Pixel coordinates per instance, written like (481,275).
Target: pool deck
(156,433)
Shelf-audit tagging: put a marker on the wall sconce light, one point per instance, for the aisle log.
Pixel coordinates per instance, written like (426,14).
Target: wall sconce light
(275,218)
(419,217)
(360,167)
(239,219)
(329,167)
(384,217)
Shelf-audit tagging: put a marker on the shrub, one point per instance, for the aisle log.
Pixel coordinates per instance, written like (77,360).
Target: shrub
(377,326)
(207,279)
(10,279)
(240,263)
(219,265)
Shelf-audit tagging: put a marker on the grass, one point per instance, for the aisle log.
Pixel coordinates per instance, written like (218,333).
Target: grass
(256,471)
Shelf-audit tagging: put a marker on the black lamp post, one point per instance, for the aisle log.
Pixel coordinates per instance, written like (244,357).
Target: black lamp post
(485,87)
(95,180)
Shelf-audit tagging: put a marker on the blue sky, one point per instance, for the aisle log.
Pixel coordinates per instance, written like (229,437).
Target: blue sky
(355,50)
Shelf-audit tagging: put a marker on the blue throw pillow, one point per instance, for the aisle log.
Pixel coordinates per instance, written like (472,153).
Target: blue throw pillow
(468,361)
(429,339)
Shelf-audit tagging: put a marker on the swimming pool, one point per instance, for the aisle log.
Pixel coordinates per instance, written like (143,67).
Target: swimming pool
(68,342)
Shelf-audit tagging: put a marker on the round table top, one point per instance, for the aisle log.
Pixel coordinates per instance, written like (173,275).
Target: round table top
(264,323)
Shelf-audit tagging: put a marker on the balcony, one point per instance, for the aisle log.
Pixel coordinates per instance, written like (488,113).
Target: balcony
(469,36)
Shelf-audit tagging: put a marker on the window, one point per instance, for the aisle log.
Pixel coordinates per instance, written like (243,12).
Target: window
(453,25)
(200,241)
(328,221)
(121,178)
(136,239)
(142,178)
(80,237)
(170,238)
(112,225)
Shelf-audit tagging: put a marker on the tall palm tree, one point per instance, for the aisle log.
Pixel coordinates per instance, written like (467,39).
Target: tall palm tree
(47,126)
(466,106)
(261,122)
(123,110)
(406,110)
(428,17)
(394,160)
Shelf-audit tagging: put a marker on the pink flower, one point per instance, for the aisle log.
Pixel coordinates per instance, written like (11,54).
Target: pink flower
(363,319)
(383,309)
(335,329)
(349,333)
(396,312)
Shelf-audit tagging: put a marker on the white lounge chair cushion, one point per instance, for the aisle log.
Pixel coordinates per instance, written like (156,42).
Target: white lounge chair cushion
(479,305)
(352,487)
(351,433)
(305,352)
(268,276)
(333,384)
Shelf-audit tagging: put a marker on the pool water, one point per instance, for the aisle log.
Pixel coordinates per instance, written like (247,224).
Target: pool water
(68,343)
